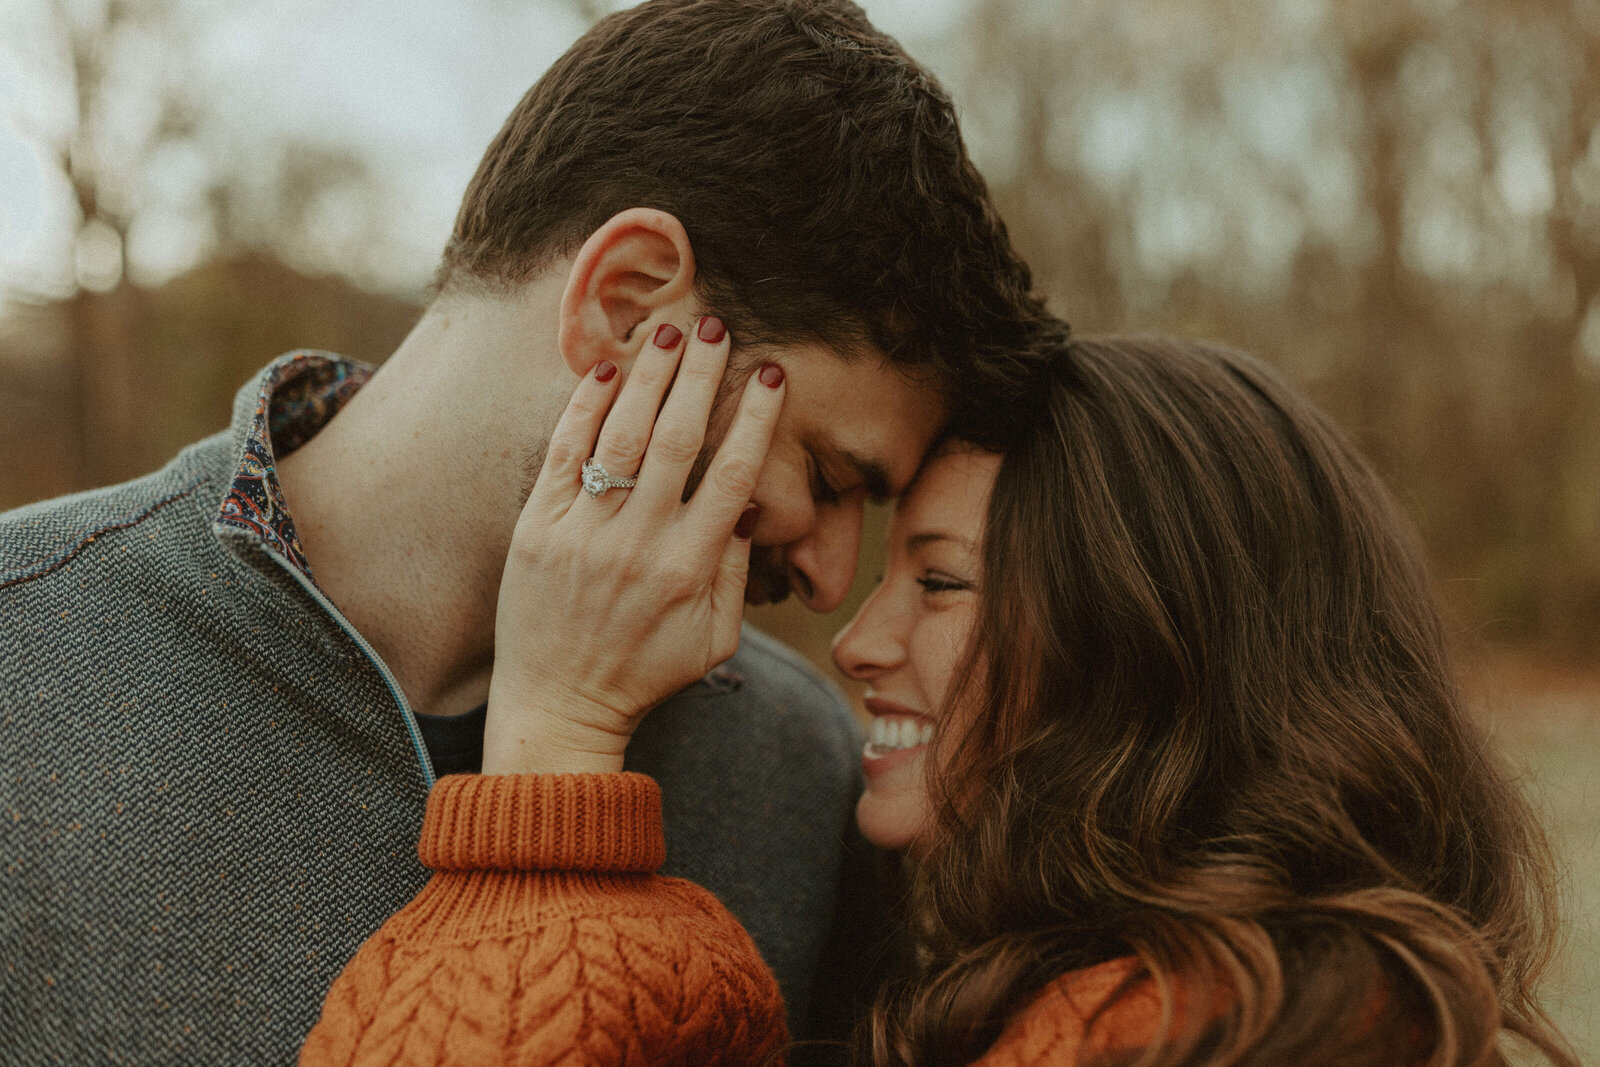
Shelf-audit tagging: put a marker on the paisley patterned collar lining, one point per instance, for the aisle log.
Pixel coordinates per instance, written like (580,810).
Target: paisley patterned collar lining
(298,394)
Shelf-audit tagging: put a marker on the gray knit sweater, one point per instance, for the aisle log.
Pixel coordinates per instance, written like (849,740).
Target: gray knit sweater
(211,788)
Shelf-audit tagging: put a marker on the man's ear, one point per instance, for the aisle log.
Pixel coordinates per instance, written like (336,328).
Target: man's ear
(637,269)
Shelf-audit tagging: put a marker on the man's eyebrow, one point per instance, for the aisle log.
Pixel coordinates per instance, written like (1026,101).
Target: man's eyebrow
(874,476)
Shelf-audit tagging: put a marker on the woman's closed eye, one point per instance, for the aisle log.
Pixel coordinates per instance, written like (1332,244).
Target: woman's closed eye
(934,582)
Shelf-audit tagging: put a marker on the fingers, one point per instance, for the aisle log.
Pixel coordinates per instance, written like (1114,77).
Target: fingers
(680,428)
(627,430)
(730,480)
(573,440)
(727,598)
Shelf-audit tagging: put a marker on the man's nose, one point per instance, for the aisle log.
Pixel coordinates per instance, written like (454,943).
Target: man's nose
(822,565)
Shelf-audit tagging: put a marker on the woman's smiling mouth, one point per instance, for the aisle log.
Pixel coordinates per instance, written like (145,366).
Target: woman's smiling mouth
(894,729)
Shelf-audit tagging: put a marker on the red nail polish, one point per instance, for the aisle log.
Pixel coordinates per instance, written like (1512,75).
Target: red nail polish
(605,370)
(711,330)
(772,375)
(668,336)
(747,522)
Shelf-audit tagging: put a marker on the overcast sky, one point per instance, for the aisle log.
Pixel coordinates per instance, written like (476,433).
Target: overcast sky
(417,86)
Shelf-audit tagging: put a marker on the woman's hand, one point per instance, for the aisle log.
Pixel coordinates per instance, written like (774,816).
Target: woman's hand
(610,604)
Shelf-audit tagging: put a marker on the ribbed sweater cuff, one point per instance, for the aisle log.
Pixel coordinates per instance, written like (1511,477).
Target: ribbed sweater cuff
(544,822)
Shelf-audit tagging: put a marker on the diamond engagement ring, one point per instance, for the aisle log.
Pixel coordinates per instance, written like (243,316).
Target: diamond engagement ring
(596,480)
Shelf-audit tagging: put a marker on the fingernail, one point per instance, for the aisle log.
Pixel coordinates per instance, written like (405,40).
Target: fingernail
(711,330)
(747,522)
(772,375)
(668,336)
(605,370)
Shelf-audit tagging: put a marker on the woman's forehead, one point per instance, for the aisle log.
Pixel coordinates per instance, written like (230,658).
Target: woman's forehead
(950,495)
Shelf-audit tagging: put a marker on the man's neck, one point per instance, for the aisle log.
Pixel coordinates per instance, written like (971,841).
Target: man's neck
(405,502)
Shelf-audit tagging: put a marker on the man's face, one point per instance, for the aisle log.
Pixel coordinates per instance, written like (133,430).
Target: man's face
(850,431)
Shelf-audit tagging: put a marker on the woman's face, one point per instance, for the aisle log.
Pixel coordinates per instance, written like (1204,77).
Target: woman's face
(908,638)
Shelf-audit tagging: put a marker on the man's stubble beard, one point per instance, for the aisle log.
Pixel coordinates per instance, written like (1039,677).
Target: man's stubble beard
(768,581)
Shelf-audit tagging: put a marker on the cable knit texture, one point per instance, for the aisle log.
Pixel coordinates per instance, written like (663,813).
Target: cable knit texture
(544,937)
(1064,1024)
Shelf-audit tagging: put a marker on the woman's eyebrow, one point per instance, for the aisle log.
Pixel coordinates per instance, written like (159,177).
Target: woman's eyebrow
(928,537)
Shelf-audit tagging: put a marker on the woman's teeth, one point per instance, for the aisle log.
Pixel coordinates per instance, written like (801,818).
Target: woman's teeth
(890,733)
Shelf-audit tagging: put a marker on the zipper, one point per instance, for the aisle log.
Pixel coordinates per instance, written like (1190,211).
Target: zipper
(395,691)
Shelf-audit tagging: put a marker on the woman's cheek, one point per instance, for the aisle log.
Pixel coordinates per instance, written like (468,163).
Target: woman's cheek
(894,808)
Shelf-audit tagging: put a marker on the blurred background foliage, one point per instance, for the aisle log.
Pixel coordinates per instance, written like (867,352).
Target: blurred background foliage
(1395,201)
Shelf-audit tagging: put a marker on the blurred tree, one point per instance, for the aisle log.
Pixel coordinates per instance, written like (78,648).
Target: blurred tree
(127,70)
(105,56)
(1398,200)
(592,11)
(194,340)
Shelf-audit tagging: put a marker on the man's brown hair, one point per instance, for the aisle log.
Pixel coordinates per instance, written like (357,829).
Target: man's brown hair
(817,168)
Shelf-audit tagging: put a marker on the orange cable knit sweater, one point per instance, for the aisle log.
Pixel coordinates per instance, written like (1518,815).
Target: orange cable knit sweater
(545,937)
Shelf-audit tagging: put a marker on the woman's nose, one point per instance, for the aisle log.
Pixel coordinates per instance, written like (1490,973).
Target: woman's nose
(869,645)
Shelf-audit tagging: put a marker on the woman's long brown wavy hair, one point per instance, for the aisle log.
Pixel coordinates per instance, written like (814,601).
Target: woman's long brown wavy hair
(1214,728)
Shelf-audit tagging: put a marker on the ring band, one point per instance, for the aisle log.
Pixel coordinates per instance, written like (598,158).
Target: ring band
(597,480)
